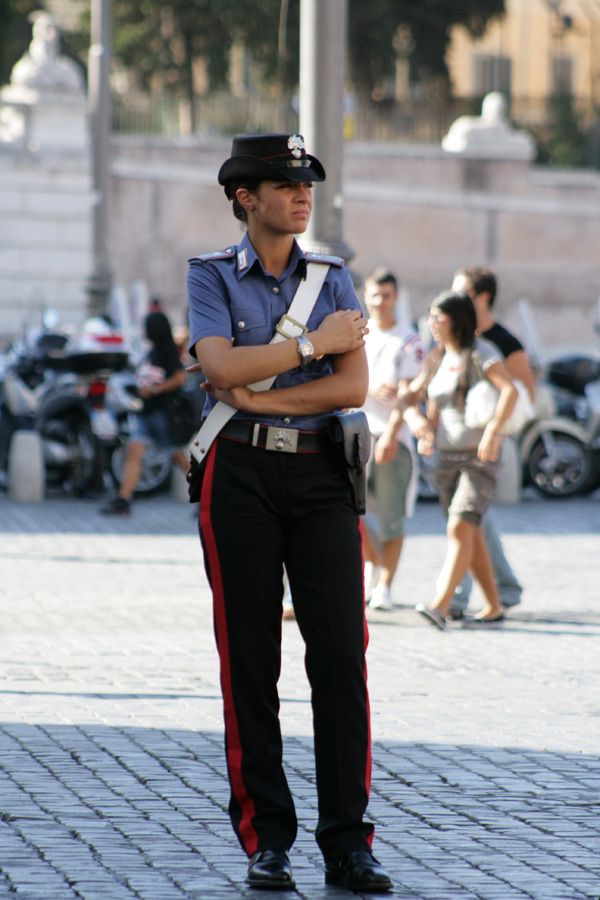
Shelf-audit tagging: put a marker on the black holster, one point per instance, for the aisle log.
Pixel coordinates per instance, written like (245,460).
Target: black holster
(194,479)
(350,432)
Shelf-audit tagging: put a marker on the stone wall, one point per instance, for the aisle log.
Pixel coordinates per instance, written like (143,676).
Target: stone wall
(45,236)
(414,208)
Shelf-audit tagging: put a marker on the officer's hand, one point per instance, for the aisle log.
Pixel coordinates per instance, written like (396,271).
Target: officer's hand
(340,332)
(238,397)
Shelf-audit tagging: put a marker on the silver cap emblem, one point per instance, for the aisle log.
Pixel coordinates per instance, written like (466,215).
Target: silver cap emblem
(296,145)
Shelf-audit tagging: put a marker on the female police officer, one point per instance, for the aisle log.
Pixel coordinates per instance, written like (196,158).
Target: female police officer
(264,503)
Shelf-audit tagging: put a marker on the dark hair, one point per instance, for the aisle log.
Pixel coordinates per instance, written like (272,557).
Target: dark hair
(233,186)
(463,318)
(158,329)
(382,275)
(463,321)
(483,280)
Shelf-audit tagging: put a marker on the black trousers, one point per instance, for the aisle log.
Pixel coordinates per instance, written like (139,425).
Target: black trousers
(260,509)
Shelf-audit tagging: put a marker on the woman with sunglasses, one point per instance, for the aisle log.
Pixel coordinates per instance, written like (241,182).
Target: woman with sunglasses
(467,456)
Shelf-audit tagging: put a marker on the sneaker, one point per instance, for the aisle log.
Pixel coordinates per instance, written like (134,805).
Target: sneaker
(117,507)
(381,598)
(371,578)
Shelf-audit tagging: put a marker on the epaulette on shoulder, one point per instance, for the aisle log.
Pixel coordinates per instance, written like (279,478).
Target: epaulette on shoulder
(212,257)
(325,259)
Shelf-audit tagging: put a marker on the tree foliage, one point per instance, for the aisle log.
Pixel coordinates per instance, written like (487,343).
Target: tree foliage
(157,41)
(427,24)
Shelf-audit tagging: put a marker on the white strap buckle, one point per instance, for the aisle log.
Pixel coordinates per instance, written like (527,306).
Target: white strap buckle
(280,327)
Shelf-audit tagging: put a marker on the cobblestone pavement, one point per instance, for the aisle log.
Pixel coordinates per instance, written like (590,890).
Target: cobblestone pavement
(486,773)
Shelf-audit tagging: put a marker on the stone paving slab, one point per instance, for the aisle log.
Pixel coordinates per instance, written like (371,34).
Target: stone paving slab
(486,771)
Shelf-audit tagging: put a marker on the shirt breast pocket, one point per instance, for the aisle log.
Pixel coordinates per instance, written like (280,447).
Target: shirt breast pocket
(250,326)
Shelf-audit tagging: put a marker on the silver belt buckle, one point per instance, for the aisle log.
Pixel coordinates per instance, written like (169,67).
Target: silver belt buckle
(283,439)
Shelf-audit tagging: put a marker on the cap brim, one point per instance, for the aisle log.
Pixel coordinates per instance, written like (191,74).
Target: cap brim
(251,167)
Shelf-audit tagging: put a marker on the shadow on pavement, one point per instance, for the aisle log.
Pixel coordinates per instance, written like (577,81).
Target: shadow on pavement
(116,812)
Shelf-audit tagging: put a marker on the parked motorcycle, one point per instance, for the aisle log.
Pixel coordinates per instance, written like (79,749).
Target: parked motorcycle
(56,388)
(561,452)
(29,368)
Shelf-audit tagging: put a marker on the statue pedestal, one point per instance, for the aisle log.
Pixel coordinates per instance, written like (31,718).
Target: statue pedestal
(44,120)
(47,198)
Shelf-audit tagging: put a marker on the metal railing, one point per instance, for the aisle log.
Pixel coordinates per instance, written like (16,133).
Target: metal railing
(385,121)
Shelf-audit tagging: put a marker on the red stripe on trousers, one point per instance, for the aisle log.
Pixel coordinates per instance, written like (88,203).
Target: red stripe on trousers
(247,832)
(369,760)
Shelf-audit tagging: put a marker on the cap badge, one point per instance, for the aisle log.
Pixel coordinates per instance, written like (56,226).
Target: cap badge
(296,145)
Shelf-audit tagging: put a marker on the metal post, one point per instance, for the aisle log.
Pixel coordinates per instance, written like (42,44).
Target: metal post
(99,282)
(322,68)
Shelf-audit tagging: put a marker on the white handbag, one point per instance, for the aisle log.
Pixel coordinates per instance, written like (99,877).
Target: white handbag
(480,407)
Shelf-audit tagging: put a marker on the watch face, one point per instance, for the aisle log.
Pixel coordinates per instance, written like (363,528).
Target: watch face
(306,349)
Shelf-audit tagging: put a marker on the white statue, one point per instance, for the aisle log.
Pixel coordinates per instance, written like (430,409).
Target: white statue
(42,68)
(44,106)
(490,135)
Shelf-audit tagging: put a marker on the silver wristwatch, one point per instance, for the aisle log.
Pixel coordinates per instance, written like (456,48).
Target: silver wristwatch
(306,350)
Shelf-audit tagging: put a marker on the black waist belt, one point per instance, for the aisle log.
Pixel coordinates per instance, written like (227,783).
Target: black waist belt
(272,437)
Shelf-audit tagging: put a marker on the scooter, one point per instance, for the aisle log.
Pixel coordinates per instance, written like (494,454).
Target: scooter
(54,391)
(560,453)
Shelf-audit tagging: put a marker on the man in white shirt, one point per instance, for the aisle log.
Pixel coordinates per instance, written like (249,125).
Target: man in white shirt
(394,355)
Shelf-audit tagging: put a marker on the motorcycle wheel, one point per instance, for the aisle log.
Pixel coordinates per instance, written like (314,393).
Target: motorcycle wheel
(75,472)
(565,473)
(156,469)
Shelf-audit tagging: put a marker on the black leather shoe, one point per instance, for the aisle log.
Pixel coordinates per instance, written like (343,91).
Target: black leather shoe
(357,870)
(270,870)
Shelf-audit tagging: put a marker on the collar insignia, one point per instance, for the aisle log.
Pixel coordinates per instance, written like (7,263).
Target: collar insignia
(296,145)
(242,259)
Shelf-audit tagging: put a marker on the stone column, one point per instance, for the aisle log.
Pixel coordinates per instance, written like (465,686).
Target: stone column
(99,282)
(322,69)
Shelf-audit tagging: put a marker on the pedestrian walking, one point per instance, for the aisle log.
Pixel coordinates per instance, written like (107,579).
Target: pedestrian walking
(481,286)
(158,376)
(394,355)
(467,456)
(274,491)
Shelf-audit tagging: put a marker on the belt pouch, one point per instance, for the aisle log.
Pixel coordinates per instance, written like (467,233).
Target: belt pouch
(350,432)
(194,479)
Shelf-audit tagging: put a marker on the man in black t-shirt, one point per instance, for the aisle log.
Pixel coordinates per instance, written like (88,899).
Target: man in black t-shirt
(481,286)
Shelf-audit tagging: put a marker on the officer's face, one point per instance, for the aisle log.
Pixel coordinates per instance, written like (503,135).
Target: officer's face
(280,207)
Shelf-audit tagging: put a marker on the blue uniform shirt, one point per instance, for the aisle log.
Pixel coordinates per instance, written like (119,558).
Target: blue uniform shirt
(231,296)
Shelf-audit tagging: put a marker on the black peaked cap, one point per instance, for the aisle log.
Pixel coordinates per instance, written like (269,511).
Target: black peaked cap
(273,157)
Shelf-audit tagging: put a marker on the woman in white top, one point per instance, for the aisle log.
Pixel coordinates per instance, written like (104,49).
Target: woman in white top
(467,456)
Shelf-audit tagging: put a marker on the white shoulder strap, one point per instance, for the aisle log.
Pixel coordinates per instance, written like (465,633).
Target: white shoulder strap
(291,325)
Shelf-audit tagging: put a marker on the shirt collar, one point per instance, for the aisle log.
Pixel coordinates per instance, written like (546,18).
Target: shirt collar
(247,258)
